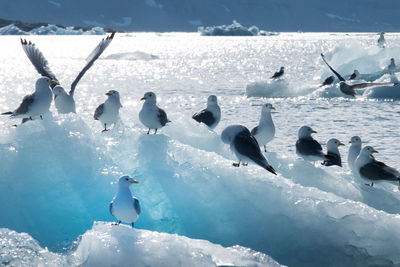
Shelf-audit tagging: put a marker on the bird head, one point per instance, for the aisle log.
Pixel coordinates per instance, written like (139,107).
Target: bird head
(126,181)
(267,107)
(212,100)
(306,131)
(149,96)
(368,150)
(355,140)
(333,143)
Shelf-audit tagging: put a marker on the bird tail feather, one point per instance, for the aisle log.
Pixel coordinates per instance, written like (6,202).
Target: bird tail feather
(7,113)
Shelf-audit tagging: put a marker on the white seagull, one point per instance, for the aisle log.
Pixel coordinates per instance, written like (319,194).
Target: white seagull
(265,131)
(245,146)
(211,115)
(392,66)
(307,147)
(381,40)
(354,151)
(371,169)
(108,112)
(333,154)
(124,207)
(63,101)
(151,115)
(36,104)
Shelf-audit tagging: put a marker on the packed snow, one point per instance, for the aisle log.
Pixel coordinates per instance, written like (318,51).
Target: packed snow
(59,174)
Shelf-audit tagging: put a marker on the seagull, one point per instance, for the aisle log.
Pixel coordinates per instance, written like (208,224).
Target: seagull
(392,66)
(265,131)
(211,115)
(333,155)
(245,146)
(354,151)
(63,101)
(307,147)
(354,75)
(151,115)
(328,81)
(349,89)
(278,74)
(381,40)
(35,104)
(108,112)
(371,169)
(123,206)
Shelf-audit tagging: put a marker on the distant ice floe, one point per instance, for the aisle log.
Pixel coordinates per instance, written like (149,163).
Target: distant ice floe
(50,29)
(234,29)
(137,55)
(107,245)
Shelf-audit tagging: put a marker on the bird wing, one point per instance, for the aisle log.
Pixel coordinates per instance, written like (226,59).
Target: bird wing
(248,146)
(111,208)
(98,112)
(353,76)
(24,106)
(332,159)
(162,116)
(136,205)
(37,59)
(377,170)
(309,146)
(254,130)
(332,69)
(363,85)
(92,58)
(205,117)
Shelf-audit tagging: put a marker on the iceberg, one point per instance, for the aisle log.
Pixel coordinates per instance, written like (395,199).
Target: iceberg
(51,29)
(234,29)
(110,245)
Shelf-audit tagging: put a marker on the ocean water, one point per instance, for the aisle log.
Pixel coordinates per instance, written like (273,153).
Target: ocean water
(59,174)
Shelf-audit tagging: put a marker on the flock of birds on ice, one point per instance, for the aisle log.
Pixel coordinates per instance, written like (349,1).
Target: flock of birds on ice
(245,144)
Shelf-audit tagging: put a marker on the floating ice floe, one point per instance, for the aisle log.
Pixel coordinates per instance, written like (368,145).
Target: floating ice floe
(234,29)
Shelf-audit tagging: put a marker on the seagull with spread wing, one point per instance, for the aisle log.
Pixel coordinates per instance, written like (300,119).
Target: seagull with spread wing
(350,89)
(63,101)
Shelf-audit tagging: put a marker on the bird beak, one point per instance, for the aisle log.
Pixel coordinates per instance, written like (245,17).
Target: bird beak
(314,131)
(272,108)
(143,98)
(350,142)
(55,96)
(108,94)
(341,144)
(135,182)
(54,82)
(374,151)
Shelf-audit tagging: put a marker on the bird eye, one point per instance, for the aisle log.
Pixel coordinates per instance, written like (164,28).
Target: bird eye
(126,179)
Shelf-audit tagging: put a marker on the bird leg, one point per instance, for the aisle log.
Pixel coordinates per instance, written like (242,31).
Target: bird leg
(148,131)
(236,164)
(41,117)
(265,148)
(133,225)
(155,131)
(105,128)
(245,164)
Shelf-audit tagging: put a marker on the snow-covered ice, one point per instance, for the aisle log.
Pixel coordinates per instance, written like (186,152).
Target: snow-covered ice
(59,174)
